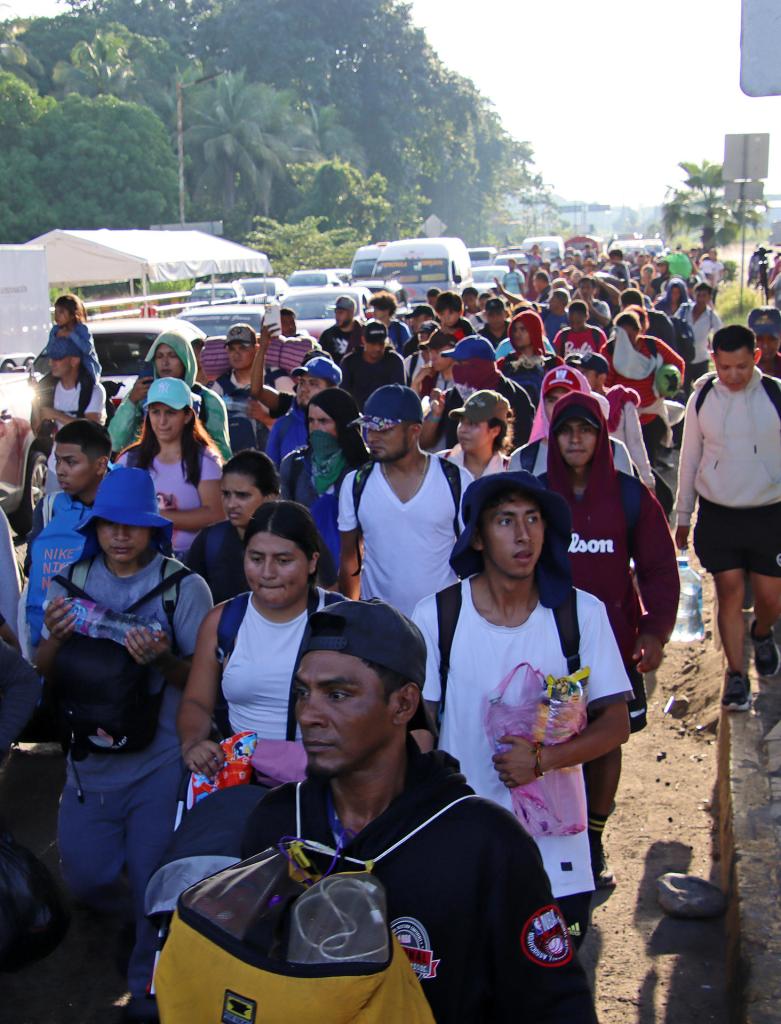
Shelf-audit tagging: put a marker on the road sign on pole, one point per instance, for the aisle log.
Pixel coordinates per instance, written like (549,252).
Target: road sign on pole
(433,226)
(746,157)
(760,42)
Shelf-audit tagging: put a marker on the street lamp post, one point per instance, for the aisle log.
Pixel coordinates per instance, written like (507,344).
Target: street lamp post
(180,87)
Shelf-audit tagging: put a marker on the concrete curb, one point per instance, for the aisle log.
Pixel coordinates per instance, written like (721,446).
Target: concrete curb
(749,795)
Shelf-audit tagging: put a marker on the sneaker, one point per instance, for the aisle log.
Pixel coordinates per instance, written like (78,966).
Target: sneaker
(737,693)
(767,657)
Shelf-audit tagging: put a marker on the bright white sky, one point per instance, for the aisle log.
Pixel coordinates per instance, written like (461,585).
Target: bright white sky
(664,86)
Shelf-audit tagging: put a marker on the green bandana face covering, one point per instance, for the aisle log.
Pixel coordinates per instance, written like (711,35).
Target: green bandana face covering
(328,461)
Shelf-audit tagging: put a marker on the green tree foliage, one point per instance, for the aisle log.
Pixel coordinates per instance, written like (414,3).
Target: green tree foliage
(699,205)
(241,136)
(84,163)
(341,196)
(294,246)
(101,67)
(305,81)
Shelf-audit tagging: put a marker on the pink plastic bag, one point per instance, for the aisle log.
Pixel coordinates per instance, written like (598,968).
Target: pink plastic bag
(542,712)
(278,761)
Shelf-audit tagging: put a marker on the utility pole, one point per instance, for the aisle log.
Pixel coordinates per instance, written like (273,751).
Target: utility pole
(180,87)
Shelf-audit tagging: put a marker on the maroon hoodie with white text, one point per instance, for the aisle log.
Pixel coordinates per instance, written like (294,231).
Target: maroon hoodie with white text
(600,548)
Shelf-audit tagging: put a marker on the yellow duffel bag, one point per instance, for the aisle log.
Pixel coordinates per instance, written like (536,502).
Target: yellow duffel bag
(267,941)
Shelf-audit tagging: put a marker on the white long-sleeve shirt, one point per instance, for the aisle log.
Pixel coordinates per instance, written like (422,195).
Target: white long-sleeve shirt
(731,451)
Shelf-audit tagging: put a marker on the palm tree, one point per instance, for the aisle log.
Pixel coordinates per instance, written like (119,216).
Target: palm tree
(16,57)
(700,205)
(333,139)
(100,68)
(243,136)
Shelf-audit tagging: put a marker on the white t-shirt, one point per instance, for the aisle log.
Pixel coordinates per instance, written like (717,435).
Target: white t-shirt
(704,327)
(711,270)
(258,690)
(407,545)
(481,656)
(67,400)
(498,463)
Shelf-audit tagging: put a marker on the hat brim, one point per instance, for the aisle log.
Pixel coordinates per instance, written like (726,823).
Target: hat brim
(575,412)
(126,517)
(553,573)
(376,422)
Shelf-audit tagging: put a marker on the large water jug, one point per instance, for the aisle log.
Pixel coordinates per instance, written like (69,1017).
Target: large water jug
(688,622)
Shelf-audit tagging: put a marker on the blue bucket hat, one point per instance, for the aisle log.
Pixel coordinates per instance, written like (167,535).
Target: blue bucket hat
(552,573)
(127,496)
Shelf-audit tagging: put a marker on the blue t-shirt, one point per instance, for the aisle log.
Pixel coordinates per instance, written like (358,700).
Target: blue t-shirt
(399,334)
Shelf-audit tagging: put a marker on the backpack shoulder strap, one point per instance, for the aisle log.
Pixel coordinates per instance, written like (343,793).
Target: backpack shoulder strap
(448,609)
(171,575)
(231,618)
(360,480)
(566,616)
(528,456)
(74,578)
(215,537)
(773,392)
(704,392)
(631,497)
(596,337)
(311,607)
(48,510)
(453,477)
(650,344)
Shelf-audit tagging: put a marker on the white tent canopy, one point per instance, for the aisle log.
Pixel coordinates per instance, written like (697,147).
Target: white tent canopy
(104,256)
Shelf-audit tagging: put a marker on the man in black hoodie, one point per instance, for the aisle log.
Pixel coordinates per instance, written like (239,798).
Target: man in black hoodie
(467,895)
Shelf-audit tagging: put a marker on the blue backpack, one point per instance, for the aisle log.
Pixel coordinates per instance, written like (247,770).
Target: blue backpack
(57,545)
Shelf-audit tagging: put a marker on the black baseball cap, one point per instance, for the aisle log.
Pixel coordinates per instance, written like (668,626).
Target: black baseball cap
(375,331)
(575,411)
(376,632)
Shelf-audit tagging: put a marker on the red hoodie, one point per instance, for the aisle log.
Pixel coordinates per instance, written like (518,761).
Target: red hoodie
(599,551)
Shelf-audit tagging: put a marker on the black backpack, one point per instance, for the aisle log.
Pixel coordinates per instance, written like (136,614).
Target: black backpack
(244,432)
(449,608)
(98,685)
(684,339)
(770,384)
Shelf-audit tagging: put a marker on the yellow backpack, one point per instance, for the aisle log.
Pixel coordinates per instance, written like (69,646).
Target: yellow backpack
(270,940)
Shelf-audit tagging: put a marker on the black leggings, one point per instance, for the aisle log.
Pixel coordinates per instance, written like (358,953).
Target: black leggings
(653,433)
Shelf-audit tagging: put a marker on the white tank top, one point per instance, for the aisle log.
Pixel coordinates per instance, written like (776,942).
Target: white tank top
(256,680)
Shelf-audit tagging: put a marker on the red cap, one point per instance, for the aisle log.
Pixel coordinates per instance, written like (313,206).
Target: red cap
(561,377)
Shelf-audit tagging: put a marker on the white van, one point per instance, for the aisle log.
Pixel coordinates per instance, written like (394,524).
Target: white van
(551,246)
(364,261)
(423,263)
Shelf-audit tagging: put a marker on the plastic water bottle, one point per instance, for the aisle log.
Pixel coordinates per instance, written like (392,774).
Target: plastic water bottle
(688,622)
(103,623)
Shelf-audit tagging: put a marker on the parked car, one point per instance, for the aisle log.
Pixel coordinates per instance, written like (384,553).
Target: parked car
(484,276)
(375,284)
(225,291)
(122,346)
(258,288)
(314,307)
(215,320)
(22,462)
(314,279)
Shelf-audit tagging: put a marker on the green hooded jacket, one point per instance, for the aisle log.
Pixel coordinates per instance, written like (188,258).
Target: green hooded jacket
(126,424)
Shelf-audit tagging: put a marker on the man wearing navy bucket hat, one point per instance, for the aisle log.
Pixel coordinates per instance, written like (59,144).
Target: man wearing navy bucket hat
(119,693)
(516,609)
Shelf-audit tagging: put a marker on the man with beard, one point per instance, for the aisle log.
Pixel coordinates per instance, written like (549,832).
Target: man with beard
(474,370)
(404,504)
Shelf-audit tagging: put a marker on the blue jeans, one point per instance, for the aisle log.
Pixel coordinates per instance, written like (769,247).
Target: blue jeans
(112,832)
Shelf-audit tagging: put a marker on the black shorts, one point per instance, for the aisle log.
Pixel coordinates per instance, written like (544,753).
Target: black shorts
(638,705)
(739,538)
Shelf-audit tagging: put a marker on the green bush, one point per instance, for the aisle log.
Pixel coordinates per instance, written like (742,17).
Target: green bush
(728,303)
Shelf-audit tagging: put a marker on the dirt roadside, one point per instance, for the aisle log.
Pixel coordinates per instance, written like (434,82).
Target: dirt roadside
(646,967)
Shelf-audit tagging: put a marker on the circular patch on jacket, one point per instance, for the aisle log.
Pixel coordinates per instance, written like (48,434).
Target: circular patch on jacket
(414,940)
(545,938)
